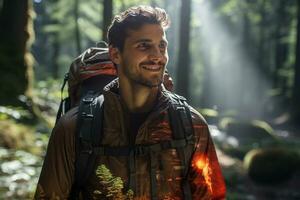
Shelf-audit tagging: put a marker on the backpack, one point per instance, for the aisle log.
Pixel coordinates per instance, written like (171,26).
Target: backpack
(87,76)
(90,71)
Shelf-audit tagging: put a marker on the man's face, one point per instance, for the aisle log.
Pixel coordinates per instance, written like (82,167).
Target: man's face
(144,56)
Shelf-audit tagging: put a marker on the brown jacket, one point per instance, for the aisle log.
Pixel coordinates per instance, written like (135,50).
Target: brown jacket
(204,175)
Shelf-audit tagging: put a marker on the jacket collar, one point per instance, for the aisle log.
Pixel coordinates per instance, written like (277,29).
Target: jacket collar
(111,90)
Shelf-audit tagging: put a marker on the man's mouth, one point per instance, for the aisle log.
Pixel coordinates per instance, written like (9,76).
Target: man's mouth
(152,67)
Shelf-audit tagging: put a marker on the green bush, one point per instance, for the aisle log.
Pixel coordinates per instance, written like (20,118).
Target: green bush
(111,186)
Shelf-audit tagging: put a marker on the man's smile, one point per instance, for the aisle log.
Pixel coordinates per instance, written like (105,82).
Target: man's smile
(152,67)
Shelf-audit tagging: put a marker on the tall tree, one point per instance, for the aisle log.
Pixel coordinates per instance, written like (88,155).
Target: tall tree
(107,16)
(16,36)
(55,35)
(296,89)
(56,51)
(261,60)
(280,45)
(77,29)
(183,64)
(153,3)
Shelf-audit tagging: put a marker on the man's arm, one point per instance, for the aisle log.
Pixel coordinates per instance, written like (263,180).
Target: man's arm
(205,173)
(57,173)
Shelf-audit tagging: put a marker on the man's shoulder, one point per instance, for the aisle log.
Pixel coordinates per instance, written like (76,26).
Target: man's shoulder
(68,120)
(197,118)
(71,115)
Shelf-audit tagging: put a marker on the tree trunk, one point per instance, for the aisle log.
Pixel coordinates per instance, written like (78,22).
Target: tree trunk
(55,55)
(40,50)
(77,30)
(206,98)
(261,60)
(107,17)
(123,7)
(153,3)
(296,89)
(16,36)
(243,79)
(280,46)
(183,64)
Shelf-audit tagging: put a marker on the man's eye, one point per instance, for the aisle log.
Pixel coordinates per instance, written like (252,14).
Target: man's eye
(162,46)
(143,46)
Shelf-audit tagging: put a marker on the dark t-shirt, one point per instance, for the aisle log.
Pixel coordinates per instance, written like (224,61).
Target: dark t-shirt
(135,122)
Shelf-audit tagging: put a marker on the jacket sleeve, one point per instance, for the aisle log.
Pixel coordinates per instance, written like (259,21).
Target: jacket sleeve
(205,174)
(57,173)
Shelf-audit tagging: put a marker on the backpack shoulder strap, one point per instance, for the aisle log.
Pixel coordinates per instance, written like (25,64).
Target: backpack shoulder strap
(180,117)
(182,128)
(88,135)
(64,105)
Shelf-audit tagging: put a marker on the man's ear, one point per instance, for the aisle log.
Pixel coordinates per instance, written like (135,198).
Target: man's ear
(114,54)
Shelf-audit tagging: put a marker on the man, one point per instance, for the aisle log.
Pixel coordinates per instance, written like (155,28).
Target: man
(137,114)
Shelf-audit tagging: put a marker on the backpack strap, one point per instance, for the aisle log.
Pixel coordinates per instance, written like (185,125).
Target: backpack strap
(64,105)
(182,128)
(153,163)
(88,135)
(141,150)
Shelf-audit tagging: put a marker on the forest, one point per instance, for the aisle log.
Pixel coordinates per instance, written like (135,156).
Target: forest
(236,61)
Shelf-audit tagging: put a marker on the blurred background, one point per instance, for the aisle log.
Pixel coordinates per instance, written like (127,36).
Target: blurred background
(237,62)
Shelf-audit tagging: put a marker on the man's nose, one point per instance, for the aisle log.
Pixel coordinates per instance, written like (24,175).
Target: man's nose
(156,55)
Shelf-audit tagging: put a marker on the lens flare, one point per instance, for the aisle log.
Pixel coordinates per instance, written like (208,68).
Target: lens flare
(201,163)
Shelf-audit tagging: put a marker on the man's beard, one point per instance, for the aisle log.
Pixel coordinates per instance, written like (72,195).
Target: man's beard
(140,79)
(148,83)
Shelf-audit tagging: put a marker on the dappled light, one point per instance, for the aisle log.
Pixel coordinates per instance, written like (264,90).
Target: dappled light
(234,79)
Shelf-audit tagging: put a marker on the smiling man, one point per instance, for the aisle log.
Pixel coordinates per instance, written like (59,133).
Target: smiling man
(151,139)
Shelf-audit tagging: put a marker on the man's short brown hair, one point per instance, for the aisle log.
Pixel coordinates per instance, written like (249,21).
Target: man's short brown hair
(132,19)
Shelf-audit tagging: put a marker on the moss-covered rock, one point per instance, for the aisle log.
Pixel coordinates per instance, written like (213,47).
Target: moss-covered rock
(247,132)
(237,152)
(16,136)
(271,166)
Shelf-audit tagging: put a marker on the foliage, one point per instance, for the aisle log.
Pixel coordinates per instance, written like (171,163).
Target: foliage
(15,113)
(58,22)
(111,187)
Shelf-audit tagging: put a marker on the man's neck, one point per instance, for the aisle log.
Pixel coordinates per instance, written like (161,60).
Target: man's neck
(136,97)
